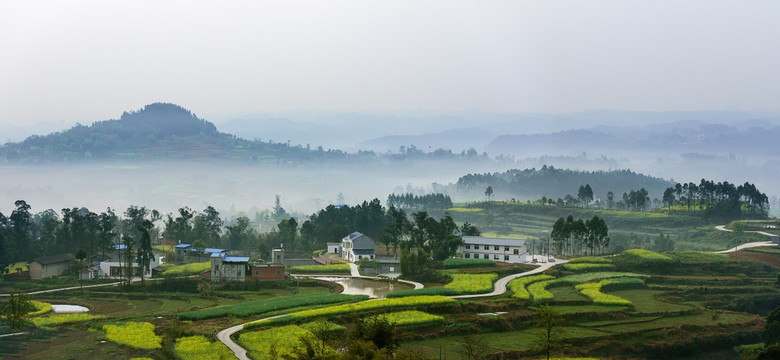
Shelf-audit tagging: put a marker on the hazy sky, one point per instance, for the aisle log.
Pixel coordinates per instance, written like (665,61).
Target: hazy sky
(91,60)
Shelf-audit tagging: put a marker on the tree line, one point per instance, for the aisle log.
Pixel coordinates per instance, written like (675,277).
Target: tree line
(557,183)
(428,202)
(577,237)
(721,199)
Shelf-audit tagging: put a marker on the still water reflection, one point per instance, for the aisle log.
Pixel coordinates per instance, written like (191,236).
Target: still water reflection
(360,286)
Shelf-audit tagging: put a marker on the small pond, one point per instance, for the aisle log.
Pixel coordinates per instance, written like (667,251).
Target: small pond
(360,286)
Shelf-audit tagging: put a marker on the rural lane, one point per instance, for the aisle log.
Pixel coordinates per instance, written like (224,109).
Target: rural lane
(746,245)
(500,286)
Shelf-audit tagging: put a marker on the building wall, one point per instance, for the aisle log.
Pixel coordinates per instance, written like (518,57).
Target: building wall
(334,249)
(501,253)
(36,270)
(39,271)
(266,273)
(222,271)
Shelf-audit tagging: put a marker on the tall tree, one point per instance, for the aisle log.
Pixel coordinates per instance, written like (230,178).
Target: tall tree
(144,254)
(548,321)
(127,254)
(489,192)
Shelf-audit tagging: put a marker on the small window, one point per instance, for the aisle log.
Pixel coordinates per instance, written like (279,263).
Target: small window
(216,267)
(278,272)
(487,247)
(517,251)
(238,272)
(495,247)
(468,247)
(257,272)
(506,257)
(467,255)
(495,257)
(485,256)
(506,248)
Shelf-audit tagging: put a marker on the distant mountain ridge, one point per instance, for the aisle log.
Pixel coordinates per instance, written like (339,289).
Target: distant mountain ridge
(158,130)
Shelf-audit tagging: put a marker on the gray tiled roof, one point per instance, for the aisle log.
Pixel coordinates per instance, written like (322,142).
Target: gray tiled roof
(480,240)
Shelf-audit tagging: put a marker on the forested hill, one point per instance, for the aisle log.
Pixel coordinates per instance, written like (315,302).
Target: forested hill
(159,130)
(557,183)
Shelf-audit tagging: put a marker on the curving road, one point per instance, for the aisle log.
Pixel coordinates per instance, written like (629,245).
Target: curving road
(746,245)
(499,288)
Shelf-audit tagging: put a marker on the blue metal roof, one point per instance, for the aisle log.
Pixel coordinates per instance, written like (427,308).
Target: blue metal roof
(120,247)
(213,250)
(216,255)
(241,259)
(363,251)
(355,235)
(183,246)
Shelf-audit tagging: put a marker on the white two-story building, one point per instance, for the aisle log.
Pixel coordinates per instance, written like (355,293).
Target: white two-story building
(496,249)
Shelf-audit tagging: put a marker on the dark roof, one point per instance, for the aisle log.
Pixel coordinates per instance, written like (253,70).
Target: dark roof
(480,240)
(360,241)
(53,259)
(364,251)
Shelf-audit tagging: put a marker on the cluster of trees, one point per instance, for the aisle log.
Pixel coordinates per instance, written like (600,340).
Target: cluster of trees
(557,183)
(24,235)
(576,237)
(427,202)
(721,199)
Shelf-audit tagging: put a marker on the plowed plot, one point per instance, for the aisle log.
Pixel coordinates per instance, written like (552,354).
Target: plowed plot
(771,259)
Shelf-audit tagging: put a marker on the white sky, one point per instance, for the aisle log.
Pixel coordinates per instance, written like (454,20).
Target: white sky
(90,60)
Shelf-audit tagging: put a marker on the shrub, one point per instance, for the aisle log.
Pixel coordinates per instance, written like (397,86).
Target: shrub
(467,263)
(472,283)
(267,305)
(320,269)
(40,308)
(187,269)
(200,348)
(517,286)
(438,290)
(53,320)
(139,335)
(411,318)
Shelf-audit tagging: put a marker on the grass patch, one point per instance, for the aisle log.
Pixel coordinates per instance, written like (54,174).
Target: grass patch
(436,290)
(275,343)
(187,269)
(363,306)
(464,210)
(518,286)
(471,283)
(200,348)
(587,267)
(262,306)
(320,269)
(139,335)
(411,318)
(59,319)
(590,260)
(457,263)
(593,290)
(40,308)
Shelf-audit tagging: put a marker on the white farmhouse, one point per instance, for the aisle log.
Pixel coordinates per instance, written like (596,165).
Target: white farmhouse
(496,249)
(356,246)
